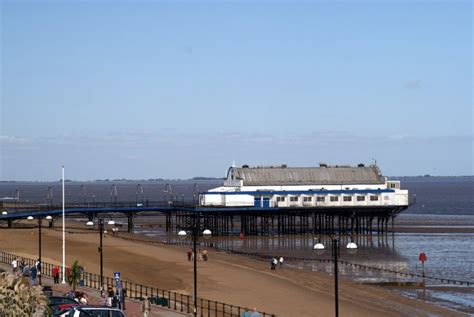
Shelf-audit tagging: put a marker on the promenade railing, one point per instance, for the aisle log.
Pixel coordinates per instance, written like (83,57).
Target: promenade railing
(166,298)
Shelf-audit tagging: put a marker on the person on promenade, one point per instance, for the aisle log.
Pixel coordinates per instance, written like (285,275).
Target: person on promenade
(204,254)
(25,271)
(110,295)
(21,267)
(281,262)
(146,307)
(38,266)
(124,294)
(83,299)
(56,274)
(34,273)
(255,313)
(246,312)
(189,254)
(15,266)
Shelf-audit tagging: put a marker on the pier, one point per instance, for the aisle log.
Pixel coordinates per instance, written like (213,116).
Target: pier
(224,221)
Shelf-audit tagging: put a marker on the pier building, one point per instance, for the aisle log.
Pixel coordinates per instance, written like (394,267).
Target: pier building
(300,187)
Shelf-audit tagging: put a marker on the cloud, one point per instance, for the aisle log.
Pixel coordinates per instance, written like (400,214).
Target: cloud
(179,154)
(413,84)
(6,139)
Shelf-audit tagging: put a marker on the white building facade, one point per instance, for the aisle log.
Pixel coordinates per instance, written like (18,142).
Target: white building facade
(300,187)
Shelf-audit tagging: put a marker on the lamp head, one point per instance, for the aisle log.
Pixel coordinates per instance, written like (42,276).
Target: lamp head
(319,248)
(207,233)
(49,217)
(351,247)
(30,218)
(111,222)
(182,234)
(89,223)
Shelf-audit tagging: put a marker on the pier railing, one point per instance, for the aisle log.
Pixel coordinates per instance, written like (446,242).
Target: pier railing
(166,298)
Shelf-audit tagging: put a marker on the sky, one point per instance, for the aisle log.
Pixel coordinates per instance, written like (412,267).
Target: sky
(178,89)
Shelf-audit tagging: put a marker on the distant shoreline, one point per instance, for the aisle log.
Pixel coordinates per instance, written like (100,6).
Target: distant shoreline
(198,179)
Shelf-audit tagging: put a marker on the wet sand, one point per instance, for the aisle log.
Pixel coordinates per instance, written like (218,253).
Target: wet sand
(225,277)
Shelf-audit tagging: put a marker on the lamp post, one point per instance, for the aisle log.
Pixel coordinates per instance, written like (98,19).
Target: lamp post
(351,248)
(40,221)
(101,233)
(195,228)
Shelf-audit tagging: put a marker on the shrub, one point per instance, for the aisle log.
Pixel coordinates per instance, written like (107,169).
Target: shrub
(19,299)
(74,275)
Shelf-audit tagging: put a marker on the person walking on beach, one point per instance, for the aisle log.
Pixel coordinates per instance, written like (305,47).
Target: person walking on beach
(56,274)
(281,262)
(274,262)
(146,307)
(190,253)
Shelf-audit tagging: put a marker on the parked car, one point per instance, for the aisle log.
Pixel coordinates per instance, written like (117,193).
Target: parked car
(93,311)
(56,301)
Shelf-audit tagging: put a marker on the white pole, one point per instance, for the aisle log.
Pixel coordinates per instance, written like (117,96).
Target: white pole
(64,236)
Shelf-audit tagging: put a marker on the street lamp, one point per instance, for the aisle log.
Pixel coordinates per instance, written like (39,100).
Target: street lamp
(101,233)
(351,248)
(4,213)
(40,220)
(195,235)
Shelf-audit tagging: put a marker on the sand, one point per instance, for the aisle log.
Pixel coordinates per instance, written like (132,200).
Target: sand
(225,277)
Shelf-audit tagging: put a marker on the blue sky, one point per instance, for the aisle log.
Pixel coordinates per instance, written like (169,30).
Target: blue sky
(148,89)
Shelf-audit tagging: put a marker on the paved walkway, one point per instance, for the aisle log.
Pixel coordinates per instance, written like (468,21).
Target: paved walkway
(133,307)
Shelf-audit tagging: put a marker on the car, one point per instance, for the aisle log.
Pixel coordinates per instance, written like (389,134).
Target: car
(93,311)
(56,301)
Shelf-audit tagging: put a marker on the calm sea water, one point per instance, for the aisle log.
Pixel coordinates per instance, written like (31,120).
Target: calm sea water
(446,202)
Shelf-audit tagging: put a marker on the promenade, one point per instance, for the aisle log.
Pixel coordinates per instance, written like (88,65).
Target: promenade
(133,307)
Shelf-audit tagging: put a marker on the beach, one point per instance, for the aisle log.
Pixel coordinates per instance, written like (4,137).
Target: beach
(228,278)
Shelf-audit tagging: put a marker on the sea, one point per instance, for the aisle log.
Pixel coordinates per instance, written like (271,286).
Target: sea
(439,223)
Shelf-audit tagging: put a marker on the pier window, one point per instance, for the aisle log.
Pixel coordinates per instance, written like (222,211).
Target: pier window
(374,198)
(347,198)
(360,198)
(280,199)
(321,199)
(334,198)
(294,198)
(307,199)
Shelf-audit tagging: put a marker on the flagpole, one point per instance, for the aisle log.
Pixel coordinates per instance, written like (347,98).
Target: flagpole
(64,236)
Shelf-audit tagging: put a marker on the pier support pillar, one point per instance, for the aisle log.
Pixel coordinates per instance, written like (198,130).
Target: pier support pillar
(130,222)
